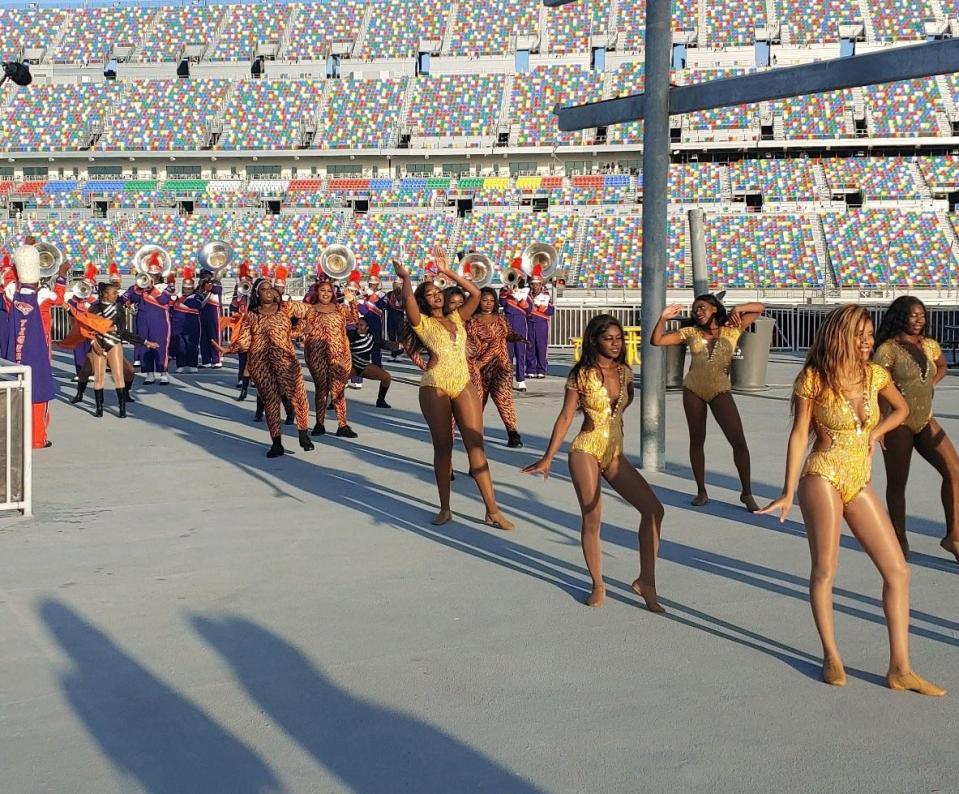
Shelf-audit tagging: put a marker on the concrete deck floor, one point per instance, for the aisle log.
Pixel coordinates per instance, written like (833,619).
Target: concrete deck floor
(183,615)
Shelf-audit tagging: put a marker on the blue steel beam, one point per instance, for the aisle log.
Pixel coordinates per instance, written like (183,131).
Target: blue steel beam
(887,66)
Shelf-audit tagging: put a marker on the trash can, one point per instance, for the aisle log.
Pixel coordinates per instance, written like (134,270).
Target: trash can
(675,360)
(752,357)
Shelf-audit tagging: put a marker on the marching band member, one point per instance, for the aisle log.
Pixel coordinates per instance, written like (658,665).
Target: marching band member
(395,315)
(211,293)
(266,334)
(105,325)
(81,350)
(327,352)
(515,302)
(238,306)
(445,389)
(185,325)
(153,322)
(113,274)
(487,336)
(540,312)
(362,346)
(351,291)
(372,306)
(279,282)
(53,296)
(26,340)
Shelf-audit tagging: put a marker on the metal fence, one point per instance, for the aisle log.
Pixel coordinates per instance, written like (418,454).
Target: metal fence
(16,453)
(795,325)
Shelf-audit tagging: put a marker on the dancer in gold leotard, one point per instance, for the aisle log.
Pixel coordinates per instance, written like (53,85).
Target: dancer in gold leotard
(601,385)
(712,343)
(916,364)
(445,389)
(836,394)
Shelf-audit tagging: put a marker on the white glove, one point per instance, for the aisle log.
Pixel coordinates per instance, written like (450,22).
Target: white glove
(541,300)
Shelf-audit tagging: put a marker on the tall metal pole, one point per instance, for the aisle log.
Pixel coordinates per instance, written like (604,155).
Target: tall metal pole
(655,237)
(697,247)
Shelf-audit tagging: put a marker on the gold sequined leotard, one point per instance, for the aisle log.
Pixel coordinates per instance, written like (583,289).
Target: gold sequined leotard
(846,463)
(708,375)
(447,370)
(605,441)
(917,385)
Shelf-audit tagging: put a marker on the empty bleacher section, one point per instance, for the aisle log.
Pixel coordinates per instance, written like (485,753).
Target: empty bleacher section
(399,27)
(243,28)
(879,178)
(27,28)
(173,28)
(58,117)
(873,248)
(92,33)
(774,179)
(906,109)
(758,251)
(732,23)
(294,241)
(899,20)
(362,114)
(536,93)
(487,28)
(828,115)
(164,115)
(314,27)
(818,22)
(613,254)
(376,237)
(455,106)
(269,114)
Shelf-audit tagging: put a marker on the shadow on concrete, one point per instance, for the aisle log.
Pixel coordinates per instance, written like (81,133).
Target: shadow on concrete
(368,747)
(147,730)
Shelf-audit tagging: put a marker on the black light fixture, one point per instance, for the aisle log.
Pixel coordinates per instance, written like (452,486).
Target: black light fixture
(16,71)
(183,69)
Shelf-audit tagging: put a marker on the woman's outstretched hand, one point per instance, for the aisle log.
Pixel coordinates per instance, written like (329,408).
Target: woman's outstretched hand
(400,269)
(784,504)
(539,467)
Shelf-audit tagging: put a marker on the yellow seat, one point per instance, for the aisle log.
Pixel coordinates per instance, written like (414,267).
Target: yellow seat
(577,343)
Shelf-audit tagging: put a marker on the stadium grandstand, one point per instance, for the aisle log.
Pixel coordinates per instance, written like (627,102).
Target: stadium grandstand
(390,125)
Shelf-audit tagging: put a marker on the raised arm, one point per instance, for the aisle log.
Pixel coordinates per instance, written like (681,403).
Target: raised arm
(560,429)
(662,338)
(745,315)
(409,300)
(798,441)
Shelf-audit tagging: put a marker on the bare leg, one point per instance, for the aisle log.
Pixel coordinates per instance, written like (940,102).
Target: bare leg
(822,512)
(632,486)
(115,360)
(727,415)
(695,409)
(584,471)
(469,418)
(934,445)
(898,456)
(99,362)
(873,529)
(438,412)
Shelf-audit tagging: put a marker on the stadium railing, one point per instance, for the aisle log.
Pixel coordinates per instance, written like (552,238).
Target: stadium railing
(16,440)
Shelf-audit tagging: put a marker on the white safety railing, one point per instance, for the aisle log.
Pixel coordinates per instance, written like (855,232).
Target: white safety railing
(16,444)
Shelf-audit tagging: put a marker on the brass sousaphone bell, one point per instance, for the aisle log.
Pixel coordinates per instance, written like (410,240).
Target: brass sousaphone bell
(141,264)
(51,258)
(215,256)
(481,269)
(542,254)
(337,262)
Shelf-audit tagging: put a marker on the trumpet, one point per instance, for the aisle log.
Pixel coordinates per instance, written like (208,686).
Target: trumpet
(81,290)
(51,258)
(511,276)
(215,256)
(337,261)
(481,269)
(244,288)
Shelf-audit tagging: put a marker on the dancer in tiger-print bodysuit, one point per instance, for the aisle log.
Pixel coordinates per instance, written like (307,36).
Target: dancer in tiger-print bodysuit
(265,334)
(327,352)
(491,371)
